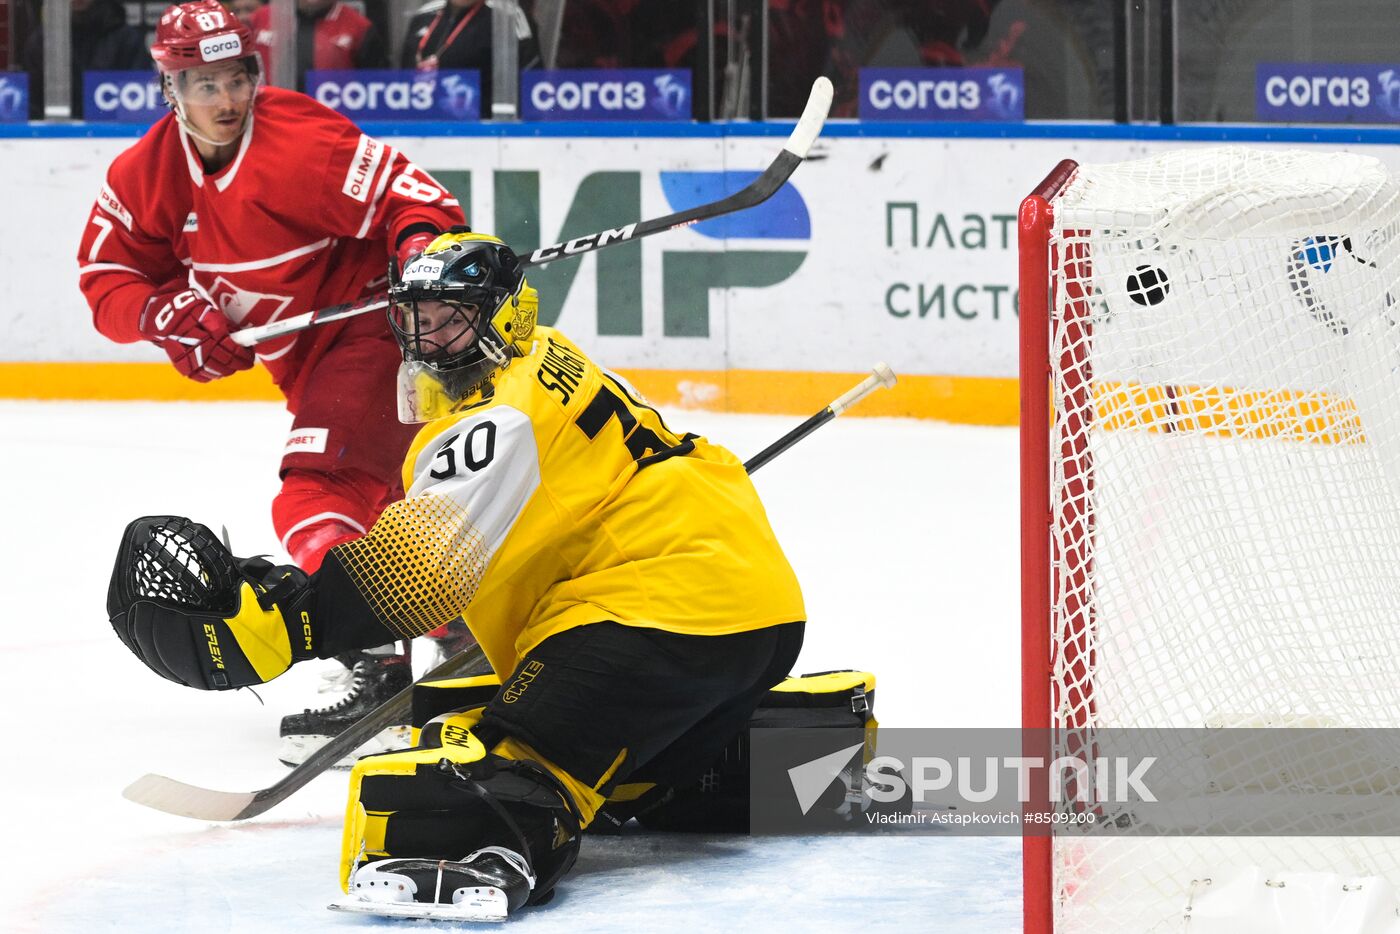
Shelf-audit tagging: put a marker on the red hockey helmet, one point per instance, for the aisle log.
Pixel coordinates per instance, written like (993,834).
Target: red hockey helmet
(198,33)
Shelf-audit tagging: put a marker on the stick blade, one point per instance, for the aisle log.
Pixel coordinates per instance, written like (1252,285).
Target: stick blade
(813,118)
(172,797)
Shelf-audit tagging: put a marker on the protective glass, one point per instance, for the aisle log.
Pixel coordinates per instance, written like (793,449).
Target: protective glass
(426,392)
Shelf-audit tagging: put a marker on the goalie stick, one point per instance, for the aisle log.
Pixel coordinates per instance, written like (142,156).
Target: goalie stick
(176,797)
(881,376)
(794,151)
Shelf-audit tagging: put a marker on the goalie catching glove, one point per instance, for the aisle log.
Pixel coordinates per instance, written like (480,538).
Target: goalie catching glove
(199,616)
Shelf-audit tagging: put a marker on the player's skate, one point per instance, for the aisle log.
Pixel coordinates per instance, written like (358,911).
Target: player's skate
(369,680)
(485,886)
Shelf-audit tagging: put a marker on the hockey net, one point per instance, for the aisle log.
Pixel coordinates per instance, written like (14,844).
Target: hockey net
(1217,450)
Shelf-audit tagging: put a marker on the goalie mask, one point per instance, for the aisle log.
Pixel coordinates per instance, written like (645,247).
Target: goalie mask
(461,311)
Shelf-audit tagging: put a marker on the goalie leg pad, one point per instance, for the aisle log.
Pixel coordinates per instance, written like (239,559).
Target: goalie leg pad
(441,802)
(716,798)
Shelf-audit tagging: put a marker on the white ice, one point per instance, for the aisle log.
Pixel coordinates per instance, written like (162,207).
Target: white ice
(903,533)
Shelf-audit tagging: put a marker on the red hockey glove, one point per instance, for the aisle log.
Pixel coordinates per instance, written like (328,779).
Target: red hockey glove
(194,334)
(412,245)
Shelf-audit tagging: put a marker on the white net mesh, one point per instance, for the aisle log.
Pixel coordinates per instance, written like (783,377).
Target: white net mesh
(1225,480)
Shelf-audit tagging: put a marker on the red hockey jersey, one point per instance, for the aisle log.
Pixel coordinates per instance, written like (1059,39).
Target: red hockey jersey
(302,218)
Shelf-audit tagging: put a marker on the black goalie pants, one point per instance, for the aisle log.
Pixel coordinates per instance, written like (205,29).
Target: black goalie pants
(603,700)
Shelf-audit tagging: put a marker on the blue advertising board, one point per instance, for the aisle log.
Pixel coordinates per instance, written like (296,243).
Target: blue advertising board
(122,97)
(1322,93)
(399,95)
(14,97)
(997,94)
(606,94)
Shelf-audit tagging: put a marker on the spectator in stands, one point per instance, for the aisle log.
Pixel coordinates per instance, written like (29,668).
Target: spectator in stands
(597,34)
(244,9)
(943,31)
(457,34)
(102,41)
(330,36)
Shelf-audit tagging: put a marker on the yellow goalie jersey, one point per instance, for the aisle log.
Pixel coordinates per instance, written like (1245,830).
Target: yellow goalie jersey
(562,500)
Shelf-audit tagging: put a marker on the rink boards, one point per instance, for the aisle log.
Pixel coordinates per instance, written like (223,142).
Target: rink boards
(894,243)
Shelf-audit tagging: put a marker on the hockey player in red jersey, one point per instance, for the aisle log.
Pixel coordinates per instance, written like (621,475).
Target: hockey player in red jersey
(243,205)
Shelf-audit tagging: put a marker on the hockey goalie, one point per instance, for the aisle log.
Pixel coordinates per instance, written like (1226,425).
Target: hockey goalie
(621,577)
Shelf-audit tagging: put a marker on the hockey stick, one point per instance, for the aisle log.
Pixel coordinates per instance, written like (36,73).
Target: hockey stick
(794,151)
(882,376)
(175,797)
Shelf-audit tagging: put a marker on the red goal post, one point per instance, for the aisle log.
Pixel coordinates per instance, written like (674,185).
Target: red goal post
(1210,503)
(1035,218)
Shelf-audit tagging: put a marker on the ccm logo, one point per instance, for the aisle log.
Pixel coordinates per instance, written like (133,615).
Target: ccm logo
(522,682)
(453,735)
(582,244)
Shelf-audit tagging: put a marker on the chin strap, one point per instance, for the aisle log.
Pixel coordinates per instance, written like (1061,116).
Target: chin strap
(493,352)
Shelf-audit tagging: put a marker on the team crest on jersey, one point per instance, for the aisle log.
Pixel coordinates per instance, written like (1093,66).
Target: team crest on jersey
(241,304)
(192,223)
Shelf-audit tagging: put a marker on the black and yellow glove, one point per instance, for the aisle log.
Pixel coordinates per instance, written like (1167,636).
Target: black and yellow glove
(201,617)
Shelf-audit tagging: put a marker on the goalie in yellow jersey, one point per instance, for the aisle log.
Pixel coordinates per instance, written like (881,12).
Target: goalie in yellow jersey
(622,579)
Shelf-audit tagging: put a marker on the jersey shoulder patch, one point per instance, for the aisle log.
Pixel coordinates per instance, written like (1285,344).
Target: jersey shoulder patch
(498,437)
(363,167)
(129,194)
(108,201)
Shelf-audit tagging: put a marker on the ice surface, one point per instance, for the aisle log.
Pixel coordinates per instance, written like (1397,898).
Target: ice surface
(903,533)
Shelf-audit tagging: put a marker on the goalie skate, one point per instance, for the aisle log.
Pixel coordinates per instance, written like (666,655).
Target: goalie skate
(369,681)
(484,887)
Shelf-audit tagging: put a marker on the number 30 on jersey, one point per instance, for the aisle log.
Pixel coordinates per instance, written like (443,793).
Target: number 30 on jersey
(466,451)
